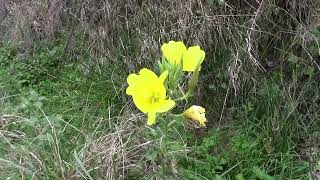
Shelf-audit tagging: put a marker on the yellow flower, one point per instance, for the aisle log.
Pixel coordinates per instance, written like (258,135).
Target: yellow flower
(197,114)
(173,51)
(149,93)
(192,57)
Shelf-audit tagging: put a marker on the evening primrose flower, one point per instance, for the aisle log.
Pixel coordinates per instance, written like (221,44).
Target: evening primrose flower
(173,51)
(149,93)
(192,57)
(197,114)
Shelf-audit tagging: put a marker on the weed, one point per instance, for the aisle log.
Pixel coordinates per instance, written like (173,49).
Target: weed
(63,114)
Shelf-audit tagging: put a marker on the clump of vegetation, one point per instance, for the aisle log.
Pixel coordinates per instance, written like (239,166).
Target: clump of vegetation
(64,112)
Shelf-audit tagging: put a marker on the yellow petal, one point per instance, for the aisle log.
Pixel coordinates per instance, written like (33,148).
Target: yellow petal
(197,114)
(137,82)
(132,78)
(151,118)
(173,51)
(129,90)
(164,105)
(192,57)
(146,73)
(142,103)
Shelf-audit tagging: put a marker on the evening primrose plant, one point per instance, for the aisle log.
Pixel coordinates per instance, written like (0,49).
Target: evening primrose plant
(155,95)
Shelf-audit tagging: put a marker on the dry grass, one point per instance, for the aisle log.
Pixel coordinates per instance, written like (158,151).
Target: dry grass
(30,20)
(136,28)
(131,32)
(112,154)
(105,153)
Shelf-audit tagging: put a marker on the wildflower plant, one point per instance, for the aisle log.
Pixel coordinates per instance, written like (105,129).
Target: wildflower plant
(153,95)
(156,96)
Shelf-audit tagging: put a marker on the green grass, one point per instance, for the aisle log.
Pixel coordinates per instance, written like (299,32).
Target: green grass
(264,135)
(55,109)
(69,120)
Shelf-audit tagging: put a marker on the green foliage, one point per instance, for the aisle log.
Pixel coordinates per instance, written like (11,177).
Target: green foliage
(262,143)
(58,104)
(203,160)
(174,76)
(265,130)
(169,146)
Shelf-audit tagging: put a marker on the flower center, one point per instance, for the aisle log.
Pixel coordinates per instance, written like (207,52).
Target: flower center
(155,99)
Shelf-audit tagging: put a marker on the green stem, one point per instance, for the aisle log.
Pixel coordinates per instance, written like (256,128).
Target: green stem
(184,97)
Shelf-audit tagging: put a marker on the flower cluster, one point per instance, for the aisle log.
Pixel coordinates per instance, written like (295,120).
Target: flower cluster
(154,94)
(175,52)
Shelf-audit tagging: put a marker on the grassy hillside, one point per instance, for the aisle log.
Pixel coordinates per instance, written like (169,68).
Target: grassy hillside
(64,113)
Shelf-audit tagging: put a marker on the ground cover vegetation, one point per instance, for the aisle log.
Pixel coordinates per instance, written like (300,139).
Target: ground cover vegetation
(67,112)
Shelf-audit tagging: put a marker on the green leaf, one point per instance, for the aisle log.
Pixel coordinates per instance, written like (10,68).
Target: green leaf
(217,177)
(309,71)
(240,177)
(292,59)
(152,155)
(224,85)
(261,174)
